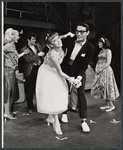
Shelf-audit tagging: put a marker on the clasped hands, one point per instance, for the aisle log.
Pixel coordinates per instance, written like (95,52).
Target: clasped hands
(76,82)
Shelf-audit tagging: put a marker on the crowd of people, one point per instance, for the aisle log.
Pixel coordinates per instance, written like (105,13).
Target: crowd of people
(58,77)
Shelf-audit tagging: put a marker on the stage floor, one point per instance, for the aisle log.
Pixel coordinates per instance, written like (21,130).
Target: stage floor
(31,131)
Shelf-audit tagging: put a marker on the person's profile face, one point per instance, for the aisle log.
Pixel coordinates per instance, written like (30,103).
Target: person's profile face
(81,33)
(32,40)
(16,38)
(56,42)
(100,44)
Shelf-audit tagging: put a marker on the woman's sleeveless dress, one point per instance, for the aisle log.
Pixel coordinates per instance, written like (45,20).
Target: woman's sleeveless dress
(105,80)
(51,88)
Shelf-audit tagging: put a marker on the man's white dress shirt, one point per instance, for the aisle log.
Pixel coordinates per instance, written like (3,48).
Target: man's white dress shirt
(76,50)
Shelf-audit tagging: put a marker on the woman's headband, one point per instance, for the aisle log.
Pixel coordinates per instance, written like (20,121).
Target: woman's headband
(103,40)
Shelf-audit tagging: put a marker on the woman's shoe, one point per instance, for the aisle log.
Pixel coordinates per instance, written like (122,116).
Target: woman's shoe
(104,107)
(50,121)
(110,109)
(57,129)
(9,117)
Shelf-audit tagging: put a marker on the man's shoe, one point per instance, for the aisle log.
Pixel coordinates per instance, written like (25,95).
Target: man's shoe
(110,109)
(85,127)
(30,111)
(64,118)
(104,107)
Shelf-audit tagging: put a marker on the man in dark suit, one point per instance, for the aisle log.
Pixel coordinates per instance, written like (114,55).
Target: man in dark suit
(32,63)
(79,55)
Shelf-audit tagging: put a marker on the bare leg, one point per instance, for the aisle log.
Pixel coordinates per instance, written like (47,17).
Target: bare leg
(50,116)
(7,108)
(7,114)
(56,125)
(50,119)
(107,102)
(107,105)
(56,119)
(111,106)
(111,103)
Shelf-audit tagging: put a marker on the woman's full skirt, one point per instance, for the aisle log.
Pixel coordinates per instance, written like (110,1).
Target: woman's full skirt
(104,86)
(51,91)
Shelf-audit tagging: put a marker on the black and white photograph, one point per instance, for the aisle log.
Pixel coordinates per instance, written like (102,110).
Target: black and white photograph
(61,74)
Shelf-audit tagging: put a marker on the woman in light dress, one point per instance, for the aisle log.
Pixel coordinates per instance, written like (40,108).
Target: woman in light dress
(51,85)
(104,86)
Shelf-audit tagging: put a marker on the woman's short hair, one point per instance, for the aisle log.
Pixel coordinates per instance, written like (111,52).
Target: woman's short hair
(10,34)
(105,42)
(49,37)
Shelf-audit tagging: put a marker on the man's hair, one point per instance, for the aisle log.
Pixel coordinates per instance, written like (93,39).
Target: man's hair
(84,25)
(31,34)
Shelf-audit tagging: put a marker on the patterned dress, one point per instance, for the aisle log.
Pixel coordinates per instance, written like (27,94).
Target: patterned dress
(104,85)
(51,88)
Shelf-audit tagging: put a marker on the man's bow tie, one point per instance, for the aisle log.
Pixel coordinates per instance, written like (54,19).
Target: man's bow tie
(79,42)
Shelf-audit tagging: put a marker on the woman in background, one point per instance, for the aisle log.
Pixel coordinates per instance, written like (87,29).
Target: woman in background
(11,56)
(104,86)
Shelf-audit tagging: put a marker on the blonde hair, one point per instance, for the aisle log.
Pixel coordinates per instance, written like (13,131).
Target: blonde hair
(9,35)
(49,38)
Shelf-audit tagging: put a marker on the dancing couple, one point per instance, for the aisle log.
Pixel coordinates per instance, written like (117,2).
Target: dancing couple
(51,85)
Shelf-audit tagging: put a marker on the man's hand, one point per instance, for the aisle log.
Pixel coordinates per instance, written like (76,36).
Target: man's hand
(41,54)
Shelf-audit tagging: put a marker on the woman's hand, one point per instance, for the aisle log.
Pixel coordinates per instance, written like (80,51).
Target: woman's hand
(41,53)
(99,71)
(66,35)
(23,53)
(71,80)
(70,34)
(77,83)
